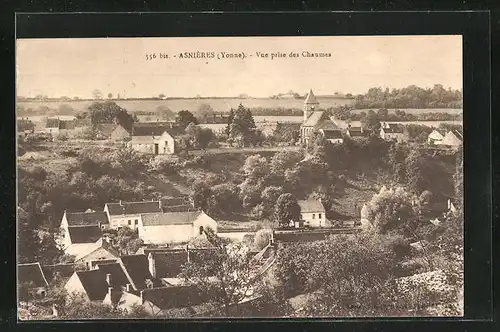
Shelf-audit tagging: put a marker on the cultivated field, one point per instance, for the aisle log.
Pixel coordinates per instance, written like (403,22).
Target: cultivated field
(218,104)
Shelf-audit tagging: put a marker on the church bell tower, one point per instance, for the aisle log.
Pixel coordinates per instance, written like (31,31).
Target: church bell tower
(310,104)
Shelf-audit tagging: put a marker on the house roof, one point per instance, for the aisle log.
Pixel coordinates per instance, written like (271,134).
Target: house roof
(118,277)
(94,283)
(311,205)
(133,207)
(155,129)
(81,250)
(86,218)
(356,132)
(332,134)
(63,270)
(177,204)
(311,98)
(169,264)
(136,267)
(66,124)
(313,119)
(438,131)
(170,218)
(84,234)
(394,128)
(459,134)
(173,297)
(31,273)
(327,124)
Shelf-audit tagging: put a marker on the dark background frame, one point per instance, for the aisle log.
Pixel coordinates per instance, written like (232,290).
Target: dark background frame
(473,26)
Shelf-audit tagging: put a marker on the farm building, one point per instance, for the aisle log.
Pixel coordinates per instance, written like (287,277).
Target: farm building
(393,131)
(153,138)
(163,228)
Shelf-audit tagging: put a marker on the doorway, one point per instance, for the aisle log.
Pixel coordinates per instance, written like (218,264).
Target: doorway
(156,148)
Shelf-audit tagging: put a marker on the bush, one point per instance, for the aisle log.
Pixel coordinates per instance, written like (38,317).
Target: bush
(261,239)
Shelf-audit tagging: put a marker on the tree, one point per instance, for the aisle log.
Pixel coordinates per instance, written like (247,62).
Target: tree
(184,118)
(110,95)
(223,274)
(286,210)
(165,113)
(127,241)
(200,195)
(224,200)
(256,167)
(242,127)
(110,112)
(391,210)
(284,160)
(161,96)
(97,94)
(203,112)
(230,119)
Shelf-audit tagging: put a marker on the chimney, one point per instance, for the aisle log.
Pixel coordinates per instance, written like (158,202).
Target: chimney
(121,202)
(108,279)
(110,291)
(142,297)
(129,288)
(152,265)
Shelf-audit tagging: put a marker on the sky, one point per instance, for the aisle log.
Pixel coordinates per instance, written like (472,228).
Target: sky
(75,67)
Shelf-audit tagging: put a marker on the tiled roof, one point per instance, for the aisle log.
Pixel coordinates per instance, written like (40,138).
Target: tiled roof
(170,218)
(394,128)
(31,273)
(84,234)
(118,277)
(332,134)
(313,119)
(94,284)
(173,297)
(64,271)
(327,125)
(169,264)
(156,129)
(66,124)
(311,98)
(311,205)
(137,268)
(133,207)
(356,132)
(86,218)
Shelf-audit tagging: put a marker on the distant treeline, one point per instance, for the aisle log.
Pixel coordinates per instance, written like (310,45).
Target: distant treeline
(410,97)
(383,114)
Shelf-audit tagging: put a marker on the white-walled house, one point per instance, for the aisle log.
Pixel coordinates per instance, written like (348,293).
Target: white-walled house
(435,137)
(313,213)
(162,228)
(81,219)
(152,139)
(453,138)
(393,132)
(129,214)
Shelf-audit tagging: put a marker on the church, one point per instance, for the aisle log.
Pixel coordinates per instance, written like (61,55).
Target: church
(318,121)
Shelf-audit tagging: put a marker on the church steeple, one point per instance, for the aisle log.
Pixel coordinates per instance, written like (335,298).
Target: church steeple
(310,104)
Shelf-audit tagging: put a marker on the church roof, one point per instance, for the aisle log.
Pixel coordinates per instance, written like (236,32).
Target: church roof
(311,98)
(313,119)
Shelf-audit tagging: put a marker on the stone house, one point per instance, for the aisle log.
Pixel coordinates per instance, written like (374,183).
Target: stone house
(313,213)
(153,138)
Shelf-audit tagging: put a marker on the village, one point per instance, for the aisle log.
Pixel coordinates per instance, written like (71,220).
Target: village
(171,234)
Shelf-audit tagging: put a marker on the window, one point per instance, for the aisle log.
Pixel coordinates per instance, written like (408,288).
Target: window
(201,230)
(319,216)
(130,222)
(314,216)
(136,222)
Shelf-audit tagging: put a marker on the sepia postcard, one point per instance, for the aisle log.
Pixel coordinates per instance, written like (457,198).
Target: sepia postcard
(201,177)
